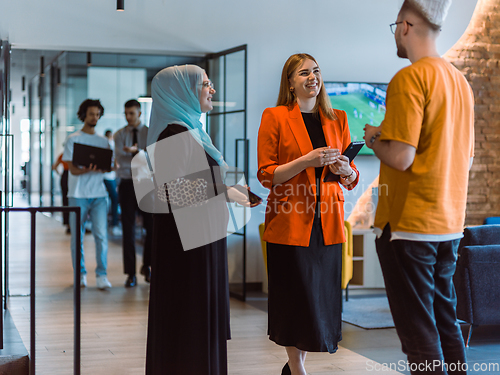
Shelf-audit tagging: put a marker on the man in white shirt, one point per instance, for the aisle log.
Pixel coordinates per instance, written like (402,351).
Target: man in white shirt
(86,190)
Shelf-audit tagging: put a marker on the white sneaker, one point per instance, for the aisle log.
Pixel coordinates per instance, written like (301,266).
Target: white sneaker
(83,281)
(116,231)
(102,282)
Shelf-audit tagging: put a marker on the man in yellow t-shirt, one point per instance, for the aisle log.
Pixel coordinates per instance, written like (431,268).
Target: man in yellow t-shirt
(425,145)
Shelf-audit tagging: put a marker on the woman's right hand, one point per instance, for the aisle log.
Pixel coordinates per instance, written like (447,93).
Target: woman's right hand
(316,158)
(322,156)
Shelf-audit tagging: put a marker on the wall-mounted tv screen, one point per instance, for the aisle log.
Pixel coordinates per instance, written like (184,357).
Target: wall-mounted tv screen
(363,102)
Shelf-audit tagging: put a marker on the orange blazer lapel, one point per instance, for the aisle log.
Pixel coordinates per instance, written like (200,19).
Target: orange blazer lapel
(301,136)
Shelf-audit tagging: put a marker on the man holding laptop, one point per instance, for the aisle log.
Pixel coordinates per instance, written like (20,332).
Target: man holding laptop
(86,187)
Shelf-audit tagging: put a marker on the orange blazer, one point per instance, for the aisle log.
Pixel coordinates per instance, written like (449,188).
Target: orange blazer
(290,207)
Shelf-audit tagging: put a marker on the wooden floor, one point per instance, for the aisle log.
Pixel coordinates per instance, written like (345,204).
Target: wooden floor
(114,322)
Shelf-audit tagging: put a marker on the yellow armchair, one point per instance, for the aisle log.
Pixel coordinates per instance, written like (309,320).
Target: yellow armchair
(347,255)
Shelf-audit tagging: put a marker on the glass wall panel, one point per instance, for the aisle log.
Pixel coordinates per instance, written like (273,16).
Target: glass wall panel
(65,85)
(34,164)
(234,130)
(216,75)
(46,138)
(227,128)
(76,94)
(113,87)
(61,107)
(235,81)
(5,172)
(60,114)
(235,260)
(216,130)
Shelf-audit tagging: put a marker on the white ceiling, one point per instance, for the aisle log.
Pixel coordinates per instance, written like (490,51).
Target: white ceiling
(350,38)
(197,26)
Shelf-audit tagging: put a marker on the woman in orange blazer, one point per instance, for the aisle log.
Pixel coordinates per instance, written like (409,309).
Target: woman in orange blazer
(300,162)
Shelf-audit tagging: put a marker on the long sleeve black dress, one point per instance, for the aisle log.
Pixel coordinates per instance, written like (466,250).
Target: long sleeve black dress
(305,282)
(188,324)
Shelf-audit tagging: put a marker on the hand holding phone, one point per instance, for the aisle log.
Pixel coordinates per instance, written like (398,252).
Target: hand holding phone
(254,199)
(353,149)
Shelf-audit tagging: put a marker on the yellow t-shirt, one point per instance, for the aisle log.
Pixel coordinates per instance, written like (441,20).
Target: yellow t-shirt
(430,106)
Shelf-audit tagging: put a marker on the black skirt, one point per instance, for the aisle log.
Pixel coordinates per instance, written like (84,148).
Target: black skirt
(188,324)
(305,296)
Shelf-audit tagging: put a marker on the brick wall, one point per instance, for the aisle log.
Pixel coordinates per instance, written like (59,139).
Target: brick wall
(477,56)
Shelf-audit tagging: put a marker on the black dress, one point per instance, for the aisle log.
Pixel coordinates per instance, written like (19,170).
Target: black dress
(188,324)
(305,282)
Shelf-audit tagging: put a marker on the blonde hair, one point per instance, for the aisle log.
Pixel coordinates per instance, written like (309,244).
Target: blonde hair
(288,98)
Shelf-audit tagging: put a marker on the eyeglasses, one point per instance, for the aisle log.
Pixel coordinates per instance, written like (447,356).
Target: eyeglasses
(394,25)
(208,84)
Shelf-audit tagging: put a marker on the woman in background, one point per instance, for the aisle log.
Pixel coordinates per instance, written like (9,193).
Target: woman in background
(188,324)
(299,148)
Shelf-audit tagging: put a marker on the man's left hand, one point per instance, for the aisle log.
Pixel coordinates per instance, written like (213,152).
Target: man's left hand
(133,149)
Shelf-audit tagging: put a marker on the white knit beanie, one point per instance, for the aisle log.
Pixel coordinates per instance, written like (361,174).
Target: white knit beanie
(434,10)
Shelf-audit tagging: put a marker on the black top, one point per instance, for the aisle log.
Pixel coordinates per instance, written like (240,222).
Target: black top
(315,131)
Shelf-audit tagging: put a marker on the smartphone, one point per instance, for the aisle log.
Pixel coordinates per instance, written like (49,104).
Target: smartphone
(352,150)
(254,199)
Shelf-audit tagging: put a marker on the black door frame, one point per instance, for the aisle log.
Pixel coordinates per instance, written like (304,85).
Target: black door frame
(238,295)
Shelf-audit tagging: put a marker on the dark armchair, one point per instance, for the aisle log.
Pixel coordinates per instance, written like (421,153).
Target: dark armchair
(477,278)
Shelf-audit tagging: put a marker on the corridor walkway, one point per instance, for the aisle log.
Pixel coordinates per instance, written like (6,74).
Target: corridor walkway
(114,322)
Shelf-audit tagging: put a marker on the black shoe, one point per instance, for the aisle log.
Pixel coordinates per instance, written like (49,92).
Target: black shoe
(131,281)
(68,230)
(286,370)
(146,271)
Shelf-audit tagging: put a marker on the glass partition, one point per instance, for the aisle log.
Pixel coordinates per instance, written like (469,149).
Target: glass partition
(113,87)
(53,98)
(35,137)
(5,173)
(228,129)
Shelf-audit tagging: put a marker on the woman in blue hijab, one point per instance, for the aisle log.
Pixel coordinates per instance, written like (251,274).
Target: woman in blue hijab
(188,324)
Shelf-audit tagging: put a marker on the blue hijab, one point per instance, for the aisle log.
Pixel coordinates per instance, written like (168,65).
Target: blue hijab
(176,100)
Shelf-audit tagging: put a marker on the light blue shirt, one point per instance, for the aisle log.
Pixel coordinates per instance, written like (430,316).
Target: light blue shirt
(124,137)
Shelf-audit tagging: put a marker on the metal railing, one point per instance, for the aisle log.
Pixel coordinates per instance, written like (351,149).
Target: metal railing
(76,285)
